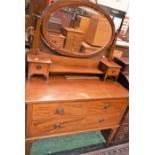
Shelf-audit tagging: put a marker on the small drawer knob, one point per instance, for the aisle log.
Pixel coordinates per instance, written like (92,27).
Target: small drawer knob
(54,41)
(113,71)
(57,126)
(38,67)
(107,106)
(60,110)
(101,120)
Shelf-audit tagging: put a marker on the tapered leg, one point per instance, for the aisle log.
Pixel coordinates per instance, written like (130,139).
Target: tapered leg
(28,147)
(112,134)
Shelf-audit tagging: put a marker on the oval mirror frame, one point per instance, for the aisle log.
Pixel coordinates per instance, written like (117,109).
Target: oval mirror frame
(66,3)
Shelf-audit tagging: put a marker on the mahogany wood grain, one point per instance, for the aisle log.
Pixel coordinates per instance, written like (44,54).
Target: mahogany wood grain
(35,45)
(61,89)
(38,65)
(48,127)
(29,110)
(82,23)
(100,31)
(80,70)
(86,48)
(74,38)
(112,48)
(58,111)
(28,147)
(70,133)
(57,39)
(110,68)
(124,63)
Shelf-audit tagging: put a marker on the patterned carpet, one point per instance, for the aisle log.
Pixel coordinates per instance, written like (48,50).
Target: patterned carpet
(116,150)
(69,145)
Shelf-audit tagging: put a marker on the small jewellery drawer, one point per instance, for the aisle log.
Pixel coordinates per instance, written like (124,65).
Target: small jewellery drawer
(113,71)
(107,106)
(38,68)
(58,111)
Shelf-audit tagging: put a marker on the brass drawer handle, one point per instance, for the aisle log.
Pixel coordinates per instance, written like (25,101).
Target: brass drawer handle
(101,120)
(113,71)
(57,126)
(54,41)
(38,67)
(60,110)
(107,106)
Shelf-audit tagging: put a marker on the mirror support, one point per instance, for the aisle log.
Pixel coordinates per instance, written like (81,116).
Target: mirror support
(111,52)
(35,45)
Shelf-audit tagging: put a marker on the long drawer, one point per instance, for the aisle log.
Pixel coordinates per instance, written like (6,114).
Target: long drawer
(46,127)
(59,111)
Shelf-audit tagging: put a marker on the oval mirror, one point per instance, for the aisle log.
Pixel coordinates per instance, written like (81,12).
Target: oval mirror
(77,28)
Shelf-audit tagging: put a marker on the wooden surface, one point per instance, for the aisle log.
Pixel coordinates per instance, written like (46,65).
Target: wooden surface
(124,63)
(82,23)
(123,49)
(61,64)
(110,63)
(60,89)
(100,31)
(124,60)
(86,48)
(57,39)
(110,68)
(81,70)
(74,38)
(38,59)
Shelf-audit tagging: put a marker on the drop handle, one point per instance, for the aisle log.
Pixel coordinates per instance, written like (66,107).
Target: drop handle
(113,71)
(60,110)
(57,126)
(38,67)
(107,106)
(101,120)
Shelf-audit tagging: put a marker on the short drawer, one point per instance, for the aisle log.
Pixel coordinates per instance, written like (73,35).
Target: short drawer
(59,111)
(43,128)
(101,121)
(107,106)
(113,71)
(38,68)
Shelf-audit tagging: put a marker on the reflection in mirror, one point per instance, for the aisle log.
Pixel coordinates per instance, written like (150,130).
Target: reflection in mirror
(79,30)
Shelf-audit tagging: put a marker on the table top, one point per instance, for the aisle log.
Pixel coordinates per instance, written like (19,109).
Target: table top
(59,88)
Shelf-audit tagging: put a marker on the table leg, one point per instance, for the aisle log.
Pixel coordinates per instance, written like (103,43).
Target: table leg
(112,134)
(28,147)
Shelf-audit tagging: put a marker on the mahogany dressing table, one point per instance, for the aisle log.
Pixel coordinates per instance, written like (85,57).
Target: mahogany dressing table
(75,97)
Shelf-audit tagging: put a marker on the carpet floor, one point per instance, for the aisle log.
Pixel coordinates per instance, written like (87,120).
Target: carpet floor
(115,150)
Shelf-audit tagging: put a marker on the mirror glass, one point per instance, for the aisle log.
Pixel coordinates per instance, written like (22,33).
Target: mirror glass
(79,30)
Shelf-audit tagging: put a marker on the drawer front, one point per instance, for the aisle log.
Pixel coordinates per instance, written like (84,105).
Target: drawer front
(57,41)
(59,111)
(38,67)
(113,71)
(61,118)
(101,121)
(43,128)
(107,107)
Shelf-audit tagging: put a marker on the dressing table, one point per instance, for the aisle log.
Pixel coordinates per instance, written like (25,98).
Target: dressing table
(74,98)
